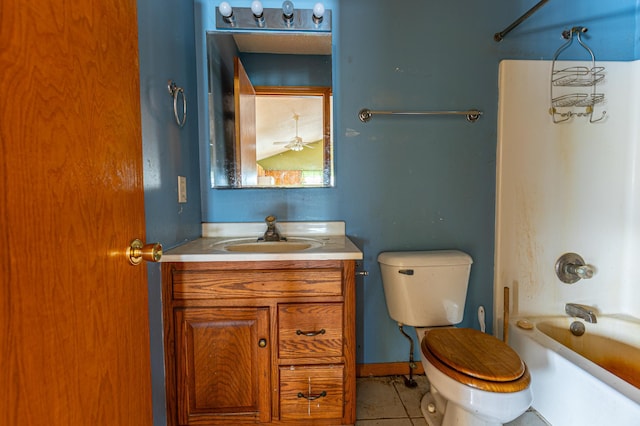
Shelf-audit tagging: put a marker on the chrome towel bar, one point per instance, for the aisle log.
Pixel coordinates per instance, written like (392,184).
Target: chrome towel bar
(366,114)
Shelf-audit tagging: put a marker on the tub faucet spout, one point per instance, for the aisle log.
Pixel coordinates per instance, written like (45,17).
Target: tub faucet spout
(581,311)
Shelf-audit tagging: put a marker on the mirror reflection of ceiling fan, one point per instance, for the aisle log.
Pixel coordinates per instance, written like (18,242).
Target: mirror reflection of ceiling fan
(295,144)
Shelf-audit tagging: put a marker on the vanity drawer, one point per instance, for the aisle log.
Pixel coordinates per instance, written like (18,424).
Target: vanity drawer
(256,283)
(310,330)
(311,392)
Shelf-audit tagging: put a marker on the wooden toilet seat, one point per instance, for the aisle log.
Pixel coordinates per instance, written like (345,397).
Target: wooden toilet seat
(475,359)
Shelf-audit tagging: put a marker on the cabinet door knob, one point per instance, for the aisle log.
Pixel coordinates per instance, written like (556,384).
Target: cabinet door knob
(262,343)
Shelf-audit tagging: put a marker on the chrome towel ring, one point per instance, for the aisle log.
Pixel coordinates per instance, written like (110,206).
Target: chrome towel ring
(175,92)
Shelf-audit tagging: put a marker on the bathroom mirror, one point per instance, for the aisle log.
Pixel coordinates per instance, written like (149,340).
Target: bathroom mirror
(270,109)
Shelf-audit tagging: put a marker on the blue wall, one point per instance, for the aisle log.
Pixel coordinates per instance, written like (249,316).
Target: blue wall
(402,183)
(167,52)
(412,183)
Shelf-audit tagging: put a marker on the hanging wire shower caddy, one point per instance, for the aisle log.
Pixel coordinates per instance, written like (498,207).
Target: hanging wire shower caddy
(573,89)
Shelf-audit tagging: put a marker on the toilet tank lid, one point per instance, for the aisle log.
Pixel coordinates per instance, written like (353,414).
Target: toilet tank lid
(425,258)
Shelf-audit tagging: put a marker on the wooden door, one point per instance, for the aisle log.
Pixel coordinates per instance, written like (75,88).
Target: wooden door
(245,113)
(74,340)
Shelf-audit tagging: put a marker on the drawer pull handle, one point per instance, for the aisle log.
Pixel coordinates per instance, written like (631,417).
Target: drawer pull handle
(311,333)
(312,397)
(262,343)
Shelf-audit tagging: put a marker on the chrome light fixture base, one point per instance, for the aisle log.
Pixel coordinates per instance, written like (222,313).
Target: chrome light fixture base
(272,20)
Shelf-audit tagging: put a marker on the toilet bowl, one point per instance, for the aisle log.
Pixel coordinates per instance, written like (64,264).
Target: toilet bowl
(475,379)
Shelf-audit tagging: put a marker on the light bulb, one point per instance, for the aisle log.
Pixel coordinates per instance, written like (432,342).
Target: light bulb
(318,10)
(256,8)
(225,9)
(318,13)
(287,8)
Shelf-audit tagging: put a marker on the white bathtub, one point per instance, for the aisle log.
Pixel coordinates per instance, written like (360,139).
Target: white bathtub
(570,389)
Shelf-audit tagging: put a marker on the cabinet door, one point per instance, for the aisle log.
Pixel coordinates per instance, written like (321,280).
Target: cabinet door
(223,365)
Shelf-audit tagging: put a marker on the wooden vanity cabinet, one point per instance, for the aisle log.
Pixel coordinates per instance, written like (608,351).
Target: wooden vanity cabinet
(260,342)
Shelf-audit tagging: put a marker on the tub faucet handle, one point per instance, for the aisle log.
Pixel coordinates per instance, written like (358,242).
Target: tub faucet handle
(571,268)
(582,271)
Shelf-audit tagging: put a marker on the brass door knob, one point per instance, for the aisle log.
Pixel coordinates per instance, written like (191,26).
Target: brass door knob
(262,343)
(137,252)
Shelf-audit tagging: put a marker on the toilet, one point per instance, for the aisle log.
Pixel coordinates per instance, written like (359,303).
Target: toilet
(475,379)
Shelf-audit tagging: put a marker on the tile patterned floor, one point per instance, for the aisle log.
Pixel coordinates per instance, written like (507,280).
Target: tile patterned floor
(386,401)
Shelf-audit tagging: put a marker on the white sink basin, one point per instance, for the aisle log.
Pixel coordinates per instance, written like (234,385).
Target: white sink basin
(224,242)
(250,245)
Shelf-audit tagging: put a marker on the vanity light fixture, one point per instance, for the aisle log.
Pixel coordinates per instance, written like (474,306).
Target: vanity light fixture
(258,12)
(286,18)
(227,13)
(287,12)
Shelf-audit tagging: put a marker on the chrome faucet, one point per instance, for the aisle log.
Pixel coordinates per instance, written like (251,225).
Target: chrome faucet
(581,311)
(271,234)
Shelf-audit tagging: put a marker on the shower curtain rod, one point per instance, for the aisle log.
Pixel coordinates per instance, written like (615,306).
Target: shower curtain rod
(499,36)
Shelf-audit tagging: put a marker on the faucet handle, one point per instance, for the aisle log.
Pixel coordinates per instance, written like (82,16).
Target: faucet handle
(582,271)
(271,234)
(571,268)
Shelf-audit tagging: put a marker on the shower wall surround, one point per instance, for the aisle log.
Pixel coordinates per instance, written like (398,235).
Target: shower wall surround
(566,187)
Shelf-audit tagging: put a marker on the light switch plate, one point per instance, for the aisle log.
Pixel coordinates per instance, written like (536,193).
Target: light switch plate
(182,189)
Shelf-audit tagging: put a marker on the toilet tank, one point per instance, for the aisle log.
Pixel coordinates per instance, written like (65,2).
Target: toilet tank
(425,288)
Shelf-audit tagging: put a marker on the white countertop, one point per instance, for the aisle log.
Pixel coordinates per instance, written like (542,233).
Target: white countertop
(334,244)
